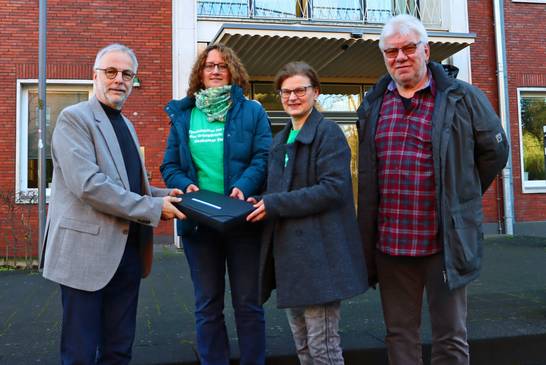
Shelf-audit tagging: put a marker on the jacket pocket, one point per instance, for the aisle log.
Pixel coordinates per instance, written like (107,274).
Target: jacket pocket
(78,239)
(466,236)
(80,226)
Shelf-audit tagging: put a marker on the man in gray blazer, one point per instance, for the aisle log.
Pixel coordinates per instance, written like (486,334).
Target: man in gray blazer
(98,241)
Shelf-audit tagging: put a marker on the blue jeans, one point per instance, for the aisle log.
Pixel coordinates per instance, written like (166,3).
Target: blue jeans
(316,333)
(207,252)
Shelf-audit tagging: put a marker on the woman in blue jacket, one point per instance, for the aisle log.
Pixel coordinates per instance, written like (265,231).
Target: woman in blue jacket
(219,141)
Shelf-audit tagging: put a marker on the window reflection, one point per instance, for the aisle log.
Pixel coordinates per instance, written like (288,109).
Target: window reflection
(333,97)
(277,8)
(533,121)
(339,98)
(230,8)
(267,96)
(378,11)
(56,102)
(349,10)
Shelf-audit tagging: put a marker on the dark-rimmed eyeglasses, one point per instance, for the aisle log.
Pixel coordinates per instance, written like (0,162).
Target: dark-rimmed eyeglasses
(112,72)
(408,49)
(210,67)
(298,91)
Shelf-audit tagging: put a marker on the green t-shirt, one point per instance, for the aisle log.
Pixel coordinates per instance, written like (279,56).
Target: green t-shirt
(206,143)
(291,138)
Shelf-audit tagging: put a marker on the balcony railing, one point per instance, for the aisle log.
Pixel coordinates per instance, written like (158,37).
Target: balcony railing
(344,11)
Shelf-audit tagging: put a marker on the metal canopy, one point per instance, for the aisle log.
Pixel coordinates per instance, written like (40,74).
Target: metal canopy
(336,53)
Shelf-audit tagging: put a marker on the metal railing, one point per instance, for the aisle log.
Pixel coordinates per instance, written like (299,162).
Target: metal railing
(338,11)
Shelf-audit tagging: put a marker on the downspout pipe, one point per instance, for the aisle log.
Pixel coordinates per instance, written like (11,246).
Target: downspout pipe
(42,106)
(504,110)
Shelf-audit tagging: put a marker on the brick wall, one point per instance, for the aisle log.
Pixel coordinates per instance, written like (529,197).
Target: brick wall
(525,32)
(483,68)
(76,30)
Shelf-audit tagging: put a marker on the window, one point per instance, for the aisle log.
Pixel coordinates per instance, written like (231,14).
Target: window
(339,98)
(265,93)
(224,8)
(277,9)
(332,98)
(337,102)
(346,10)
(60,94)
(378,11)
(532,123)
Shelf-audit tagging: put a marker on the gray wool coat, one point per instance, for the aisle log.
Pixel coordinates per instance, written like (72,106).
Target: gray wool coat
(311,251)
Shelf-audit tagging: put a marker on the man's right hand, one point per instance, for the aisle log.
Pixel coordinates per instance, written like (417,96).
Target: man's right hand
(169,211)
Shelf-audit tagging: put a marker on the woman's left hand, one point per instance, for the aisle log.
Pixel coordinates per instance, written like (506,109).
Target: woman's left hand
(175,192)
(236,193)
(258,214)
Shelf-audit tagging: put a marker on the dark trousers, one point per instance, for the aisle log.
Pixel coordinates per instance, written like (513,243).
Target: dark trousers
(402,281)
(99,327)
(208,252)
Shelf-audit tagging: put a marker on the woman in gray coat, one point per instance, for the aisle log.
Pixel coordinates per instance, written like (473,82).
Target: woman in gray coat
(311,252)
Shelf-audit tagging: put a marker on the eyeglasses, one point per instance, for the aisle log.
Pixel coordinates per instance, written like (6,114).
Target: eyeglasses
(299,91)
(408,49)
(112,72)
(210,67)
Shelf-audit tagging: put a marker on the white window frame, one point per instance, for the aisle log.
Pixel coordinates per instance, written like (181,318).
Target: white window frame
(535,186)
(530,1)
(23,193)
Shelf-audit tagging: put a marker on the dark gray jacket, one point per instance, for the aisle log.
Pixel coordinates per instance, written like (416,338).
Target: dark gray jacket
(311,249)
(469,149)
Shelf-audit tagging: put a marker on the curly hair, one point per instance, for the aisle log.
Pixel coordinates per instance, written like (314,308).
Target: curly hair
(238,73)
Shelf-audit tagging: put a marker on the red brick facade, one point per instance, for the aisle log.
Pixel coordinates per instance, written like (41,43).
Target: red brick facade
(525,68)
(77,29)
(483,69)
(525,35)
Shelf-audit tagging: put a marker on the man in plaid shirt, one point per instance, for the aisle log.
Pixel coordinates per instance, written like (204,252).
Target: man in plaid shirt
(430,146)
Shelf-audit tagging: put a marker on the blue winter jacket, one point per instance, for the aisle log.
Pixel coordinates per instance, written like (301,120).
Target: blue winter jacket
(247,138)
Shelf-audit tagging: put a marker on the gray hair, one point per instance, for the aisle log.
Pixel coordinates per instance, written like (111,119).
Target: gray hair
(116,47)
(404,25)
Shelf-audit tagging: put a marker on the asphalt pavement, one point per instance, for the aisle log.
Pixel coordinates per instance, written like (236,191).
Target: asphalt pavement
(506,314)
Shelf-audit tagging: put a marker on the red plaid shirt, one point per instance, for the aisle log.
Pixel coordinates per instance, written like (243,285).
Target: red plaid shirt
(407,205)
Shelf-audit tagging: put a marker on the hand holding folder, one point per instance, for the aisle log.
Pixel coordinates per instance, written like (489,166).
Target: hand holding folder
(214,210)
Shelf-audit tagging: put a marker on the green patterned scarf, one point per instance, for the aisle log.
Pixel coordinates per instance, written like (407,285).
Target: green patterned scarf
(214,102)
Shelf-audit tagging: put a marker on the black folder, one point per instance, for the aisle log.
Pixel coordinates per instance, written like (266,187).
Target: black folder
(214,210)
